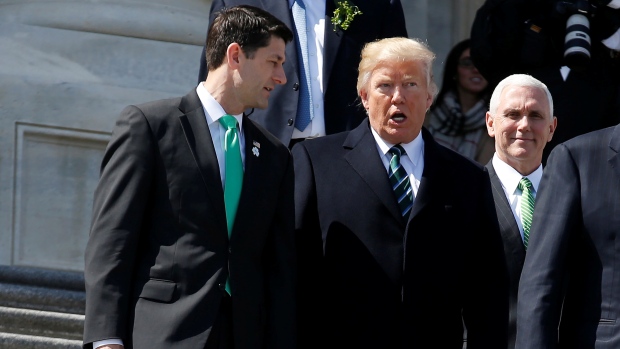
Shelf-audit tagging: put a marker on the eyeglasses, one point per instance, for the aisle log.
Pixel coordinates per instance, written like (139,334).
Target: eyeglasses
(466,62)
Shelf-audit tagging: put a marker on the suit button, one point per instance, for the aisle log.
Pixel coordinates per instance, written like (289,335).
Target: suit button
(295,86)
(229,250)
(222,286)
(289,122)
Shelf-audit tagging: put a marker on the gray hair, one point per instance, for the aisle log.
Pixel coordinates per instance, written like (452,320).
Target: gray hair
(522,80)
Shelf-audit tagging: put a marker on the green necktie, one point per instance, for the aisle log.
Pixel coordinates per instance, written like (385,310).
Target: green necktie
(233,179)
(527,207)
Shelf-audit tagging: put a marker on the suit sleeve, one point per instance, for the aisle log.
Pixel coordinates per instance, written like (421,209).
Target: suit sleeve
(557,215)
(120,200)
(485,309)
(309,245)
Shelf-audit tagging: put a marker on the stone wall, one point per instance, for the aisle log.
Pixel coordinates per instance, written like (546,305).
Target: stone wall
(67,69)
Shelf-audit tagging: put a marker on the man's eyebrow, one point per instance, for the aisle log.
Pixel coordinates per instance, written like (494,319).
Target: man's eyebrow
(278,57)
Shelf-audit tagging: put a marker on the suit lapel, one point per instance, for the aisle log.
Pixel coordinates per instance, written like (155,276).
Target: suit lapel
(256,177)
(364,158)
(198,137)
(332,43)
(614,145)
(507,223)
(431,181)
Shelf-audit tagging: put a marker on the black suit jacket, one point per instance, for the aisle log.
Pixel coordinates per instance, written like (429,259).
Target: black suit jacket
(159,253)
(385,281)
(571,276)
(379,19)
(514,251)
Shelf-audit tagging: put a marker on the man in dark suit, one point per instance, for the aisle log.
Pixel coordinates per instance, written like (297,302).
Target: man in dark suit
(568,294)
(168,262)
(521,121)
(334,52)
(396,234)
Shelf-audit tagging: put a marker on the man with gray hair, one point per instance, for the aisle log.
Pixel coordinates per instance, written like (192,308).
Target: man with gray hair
(521,120)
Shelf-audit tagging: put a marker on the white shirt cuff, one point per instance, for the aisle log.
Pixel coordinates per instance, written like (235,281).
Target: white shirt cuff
(98,344)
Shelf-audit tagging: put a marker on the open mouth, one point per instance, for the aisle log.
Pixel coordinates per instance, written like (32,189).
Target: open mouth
(398,117)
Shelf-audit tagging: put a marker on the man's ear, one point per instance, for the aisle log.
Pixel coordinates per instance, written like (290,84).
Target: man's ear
(429,101)
(552,128)
(233,52)
(364,97)
(490,120)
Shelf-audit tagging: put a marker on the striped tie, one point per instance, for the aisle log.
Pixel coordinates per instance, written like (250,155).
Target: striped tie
(527,207)
(400,180)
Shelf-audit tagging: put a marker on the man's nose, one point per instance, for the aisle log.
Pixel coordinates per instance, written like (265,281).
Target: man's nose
(279,76)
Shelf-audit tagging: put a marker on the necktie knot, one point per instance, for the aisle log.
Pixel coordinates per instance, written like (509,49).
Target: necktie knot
(397,151)
(228,121)
(524,184)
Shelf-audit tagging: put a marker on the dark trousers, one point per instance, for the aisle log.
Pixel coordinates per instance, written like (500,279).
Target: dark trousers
(221,336)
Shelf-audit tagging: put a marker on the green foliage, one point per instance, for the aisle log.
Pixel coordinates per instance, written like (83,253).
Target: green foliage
(344,14)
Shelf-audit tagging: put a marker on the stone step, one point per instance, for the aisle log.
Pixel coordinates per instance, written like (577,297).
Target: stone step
(41,308)
(42,298)
(41,289)
(19,341)
(39,323)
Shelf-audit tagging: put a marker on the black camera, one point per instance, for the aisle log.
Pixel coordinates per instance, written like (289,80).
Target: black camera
(577,42)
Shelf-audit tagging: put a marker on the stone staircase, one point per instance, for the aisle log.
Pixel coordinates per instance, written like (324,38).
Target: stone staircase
(41,308)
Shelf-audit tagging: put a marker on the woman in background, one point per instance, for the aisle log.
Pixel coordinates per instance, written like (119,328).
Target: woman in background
(457,118)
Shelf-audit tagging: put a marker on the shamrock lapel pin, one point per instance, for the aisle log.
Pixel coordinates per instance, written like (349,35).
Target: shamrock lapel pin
(255,148)
(344,14)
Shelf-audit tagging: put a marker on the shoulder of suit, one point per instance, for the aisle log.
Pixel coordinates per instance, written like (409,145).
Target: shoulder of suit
(266,137)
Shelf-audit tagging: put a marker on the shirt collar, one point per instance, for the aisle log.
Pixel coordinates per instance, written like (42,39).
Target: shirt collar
(510,177)
(213,110)
(413,148)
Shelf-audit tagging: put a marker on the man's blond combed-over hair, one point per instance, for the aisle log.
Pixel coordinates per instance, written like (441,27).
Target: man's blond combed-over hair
(396,49)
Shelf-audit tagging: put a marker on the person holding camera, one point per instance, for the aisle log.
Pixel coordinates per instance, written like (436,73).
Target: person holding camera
(572,46)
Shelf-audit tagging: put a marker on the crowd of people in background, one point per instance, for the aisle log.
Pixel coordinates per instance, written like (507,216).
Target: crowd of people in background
(318,190)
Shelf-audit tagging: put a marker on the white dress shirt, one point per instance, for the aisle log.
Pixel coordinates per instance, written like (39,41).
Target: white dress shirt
(213,111)
(509,177)
(412,161)
(315,31)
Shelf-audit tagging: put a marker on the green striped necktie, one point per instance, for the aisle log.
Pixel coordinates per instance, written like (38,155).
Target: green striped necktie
(400,180)
(527,207)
